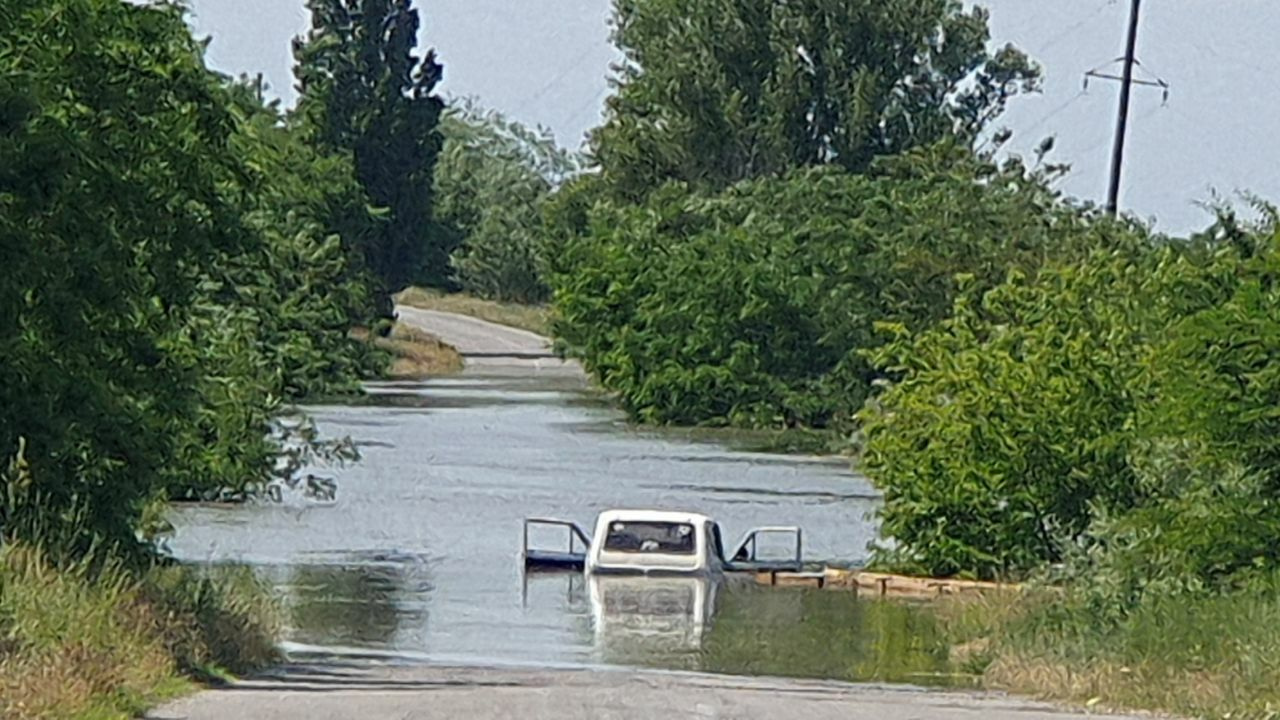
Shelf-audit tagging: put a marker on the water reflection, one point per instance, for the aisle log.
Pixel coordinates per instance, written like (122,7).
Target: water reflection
(354,606)
(679,623)
(651,621)
(826,634)
(737,628)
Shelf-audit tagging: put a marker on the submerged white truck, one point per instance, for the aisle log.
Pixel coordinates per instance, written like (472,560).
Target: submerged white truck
(659,542)
(654,576)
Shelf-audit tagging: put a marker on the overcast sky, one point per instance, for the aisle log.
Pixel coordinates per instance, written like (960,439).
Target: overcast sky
(547,62)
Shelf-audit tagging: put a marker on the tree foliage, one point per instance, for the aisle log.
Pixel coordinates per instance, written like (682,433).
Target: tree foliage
(750,307)
(1116,414)
(491,183)
(169,274)
(1011,420)
(366,93)
(712,92)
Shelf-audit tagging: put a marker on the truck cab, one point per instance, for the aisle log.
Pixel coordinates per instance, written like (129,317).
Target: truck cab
(657,542)
(651,542)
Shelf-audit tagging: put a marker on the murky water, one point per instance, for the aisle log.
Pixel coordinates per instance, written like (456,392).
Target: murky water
(419,558)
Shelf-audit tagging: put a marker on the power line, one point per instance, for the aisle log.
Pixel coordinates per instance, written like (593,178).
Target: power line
(1075,27)
(575,64)
(575,118)
(1218,138)
(1157,24)
(1053,113)
(1102,139)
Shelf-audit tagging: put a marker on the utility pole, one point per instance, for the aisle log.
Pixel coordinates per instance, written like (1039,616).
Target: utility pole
(1122,124)
(1127,81)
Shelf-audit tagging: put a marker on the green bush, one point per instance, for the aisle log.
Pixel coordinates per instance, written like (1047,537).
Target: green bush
(1207,463)
(751,307)
(177,264)
(1014,421)
(1218,372)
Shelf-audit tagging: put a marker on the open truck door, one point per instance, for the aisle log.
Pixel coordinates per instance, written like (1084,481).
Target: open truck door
(572,557)
(785,564)
(748,556)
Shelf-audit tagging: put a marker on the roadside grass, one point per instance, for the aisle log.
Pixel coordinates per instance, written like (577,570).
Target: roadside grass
(1189,655)
(534,318)
(97,641)
(414,354)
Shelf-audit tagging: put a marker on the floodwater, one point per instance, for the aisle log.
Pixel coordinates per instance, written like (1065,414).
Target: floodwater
(418,559)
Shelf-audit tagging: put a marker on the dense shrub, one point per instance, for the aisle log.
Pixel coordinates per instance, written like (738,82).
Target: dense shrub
(1121,409)
(1207,463)
(750,307)
(1015,419)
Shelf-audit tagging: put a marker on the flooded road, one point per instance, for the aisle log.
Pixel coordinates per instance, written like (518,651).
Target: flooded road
(419,557)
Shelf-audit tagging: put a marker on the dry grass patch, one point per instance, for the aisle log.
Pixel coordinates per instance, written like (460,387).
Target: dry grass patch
(414,354)
(1107,685)
(534,318)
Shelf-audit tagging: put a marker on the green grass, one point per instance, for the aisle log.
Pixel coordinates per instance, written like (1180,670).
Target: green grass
(534,318)
(1191,655)
(97,641)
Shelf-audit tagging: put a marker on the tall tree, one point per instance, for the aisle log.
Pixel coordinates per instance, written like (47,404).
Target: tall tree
(492,183)
(716,91)
(170,272)
(365,92)
(113,165)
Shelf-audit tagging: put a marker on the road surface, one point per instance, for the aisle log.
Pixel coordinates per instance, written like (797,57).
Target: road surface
(492,694)
(488,347)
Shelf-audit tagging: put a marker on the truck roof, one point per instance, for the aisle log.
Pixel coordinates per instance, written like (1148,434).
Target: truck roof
(664,516)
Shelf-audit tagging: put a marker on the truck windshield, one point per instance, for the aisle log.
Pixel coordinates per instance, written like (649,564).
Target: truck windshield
(650,537)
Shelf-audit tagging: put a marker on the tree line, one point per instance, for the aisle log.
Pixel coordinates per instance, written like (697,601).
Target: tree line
(796,216)
(801,217)
(182,262)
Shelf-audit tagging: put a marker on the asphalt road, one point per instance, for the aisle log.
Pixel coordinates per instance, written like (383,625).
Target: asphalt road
(492,694)
(488,347)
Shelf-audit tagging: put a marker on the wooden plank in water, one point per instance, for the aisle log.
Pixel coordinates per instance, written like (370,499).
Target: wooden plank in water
(881,584)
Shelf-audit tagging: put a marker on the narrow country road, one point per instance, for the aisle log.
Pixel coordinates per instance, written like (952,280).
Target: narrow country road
(434,476)
(492,694)
(486,346)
